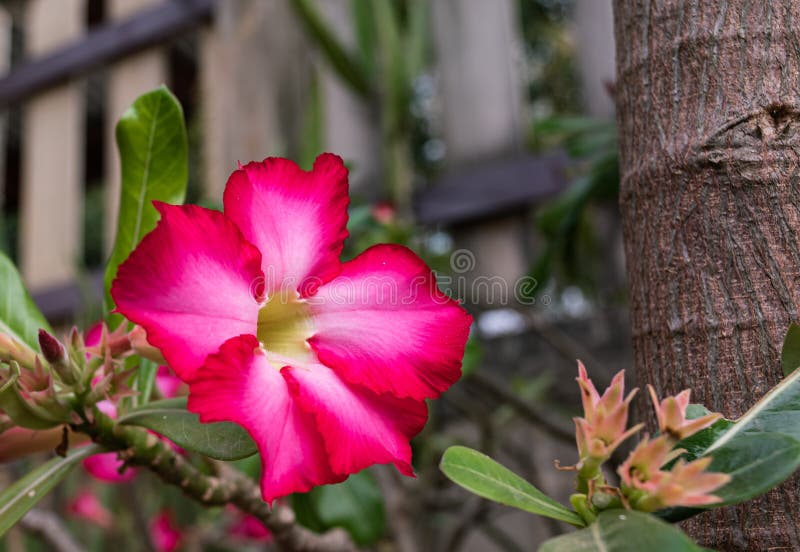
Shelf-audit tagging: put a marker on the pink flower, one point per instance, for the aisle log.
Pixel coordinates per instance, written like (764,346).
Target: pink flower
(645,461)
(602,429)
(88,507)
(671,414)
(168,384)
(106,466)
(326,364)
(249,527)
(685,484)
(164,533)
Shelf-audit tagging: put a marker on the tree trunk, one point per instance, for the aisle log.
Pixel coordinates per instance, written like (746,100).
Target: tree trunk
(709,118)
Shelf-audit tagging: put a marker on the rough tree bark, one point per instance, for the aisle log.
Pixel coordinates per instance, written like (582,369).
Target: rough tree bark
(708,100)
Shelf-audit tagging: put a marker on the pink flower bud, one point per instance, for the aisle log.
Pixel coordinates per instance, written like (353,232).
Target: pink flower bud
(671,414)
(603,427)
(142,347)
(52,349)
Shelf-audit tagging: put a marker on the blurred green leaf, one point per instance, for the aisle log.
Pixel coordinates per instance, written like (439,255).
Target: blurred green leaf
(364,26)
(221,440)
(153,148)
(17,499)
(342,61)
(473,354)
(313,141)
(356,505)
(790,354)
(481,475)
(20,318)
(623,531)
(757,463)
(145,381)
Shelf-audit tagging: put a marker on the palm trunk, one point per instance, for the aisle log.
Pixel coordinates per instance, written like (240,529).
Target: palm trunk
(709,117)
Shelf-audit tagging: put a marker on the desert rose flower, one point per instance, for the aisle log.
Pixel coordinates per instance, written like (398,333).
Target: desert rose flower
(326,363)
(671,414)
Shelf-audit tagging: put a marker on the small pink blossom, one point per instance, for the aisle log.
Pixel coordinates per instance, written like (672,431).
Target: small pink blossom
(249,527)
(88,507)
(671,413)
(326,363)
(164,533)
(685,484)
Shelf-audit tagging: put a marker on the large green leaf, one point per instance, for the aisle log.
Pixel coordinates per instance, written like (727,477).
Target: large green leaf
(355,505)
(777,412)
(756,463)
(790,354)
(623,531)
(481,475)
(23,494)
(153,149)
(759,450)
(222,440)
(19,316)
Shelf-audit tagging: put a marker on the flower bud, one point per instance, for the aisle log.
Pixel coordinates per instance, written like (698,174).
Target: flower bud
(671,414)
(11,349)
(143,348)
(56,354)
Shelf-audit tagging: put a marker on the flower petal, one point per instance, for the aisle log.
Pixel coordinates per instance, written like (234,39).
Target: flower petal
(384,324)
(359,427)
(239,385)
(297,219)
(190,284)
(105,467)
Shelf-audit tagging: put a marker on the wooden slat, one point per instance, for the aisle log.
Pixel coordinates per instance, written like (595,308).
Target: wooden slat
(104,45)
(51,200)
(491,190)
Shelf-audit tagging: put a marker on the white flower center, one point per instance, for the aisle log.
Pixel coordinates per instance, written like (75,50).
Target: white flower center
(284,325)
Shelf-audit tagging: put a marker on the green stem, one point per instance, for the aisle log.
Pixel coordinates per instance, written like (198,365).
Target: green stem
(141,448)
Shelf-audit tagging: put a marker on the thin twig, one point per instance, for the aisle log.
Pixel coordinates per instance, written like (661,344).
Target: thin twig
(48,526)
(537,416)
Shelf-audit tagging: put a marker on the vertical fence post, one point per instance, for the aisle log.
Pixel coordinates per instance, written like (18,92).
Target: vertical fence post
(478,48)
(127,79)
(52,164)
(5,64)
(252,81)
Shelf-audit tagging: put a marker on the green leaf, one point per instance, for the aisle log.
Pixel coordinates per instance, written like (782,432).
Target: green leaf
(145,380)
(221,440)
(790,354)
(153,149)
(757,463)
(695,445)
(23,494)
(19,316)
(623,531)
(777,412)
(356,505)
(758,450)
(481,475)
(342,61)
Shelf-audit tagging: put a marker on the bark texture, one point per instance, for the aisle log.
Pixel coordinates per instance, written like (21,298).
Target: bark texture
(708,97)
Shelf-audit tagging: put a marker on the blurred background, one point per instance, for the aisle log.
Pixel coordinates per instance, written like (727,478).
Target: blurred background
(479,133)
